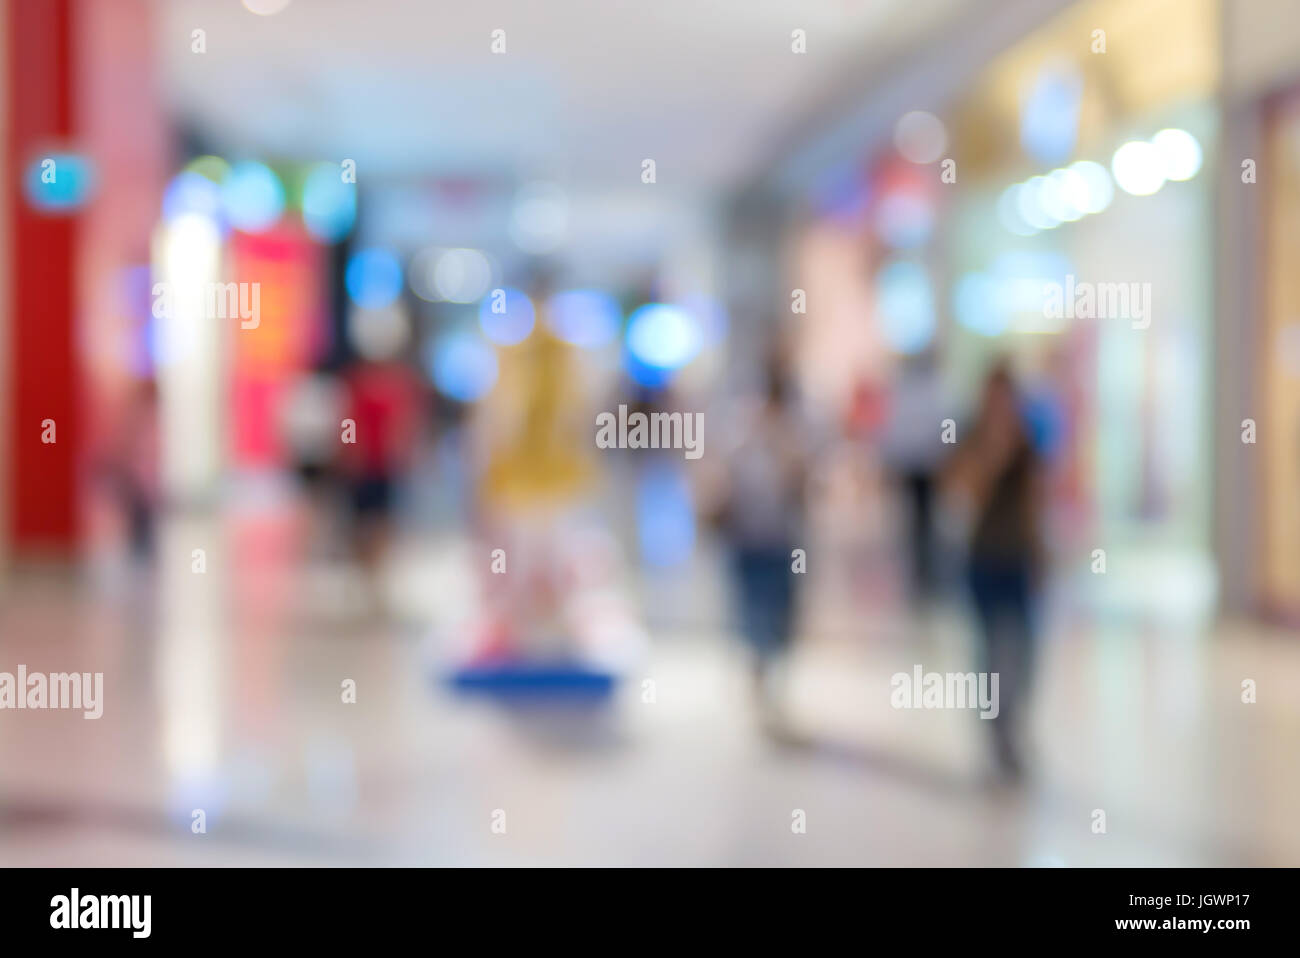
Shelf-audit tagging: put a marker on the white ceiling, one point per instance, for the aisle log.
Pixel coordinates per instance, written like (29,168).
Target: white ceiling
(586,90)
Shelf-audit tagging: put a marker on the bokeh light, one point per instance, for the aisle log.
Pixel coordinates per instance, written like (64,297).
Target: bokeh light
(329,206)
(191,192)
(506,316)
(978,305)
(589,318)
(1139,168)
(920,137)
(252,196)
(905,306)
(1069,191)
(378,334)
(1029,204)
(419,273)
(373,278)
(1180,152)
(1049,114)
(663,336)
(462,366)
(1009,212)
(539,221)
(461,275)
(1100,189)
(1052,200)
(59,182)
(265,8)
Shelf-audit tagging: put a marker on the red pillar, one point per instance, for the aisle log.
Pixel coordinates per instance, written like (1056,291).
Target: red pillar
(42,512)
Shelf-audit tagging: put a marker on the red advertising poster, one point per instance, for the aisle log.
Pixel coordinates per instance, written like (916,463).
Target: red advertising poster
(281,329)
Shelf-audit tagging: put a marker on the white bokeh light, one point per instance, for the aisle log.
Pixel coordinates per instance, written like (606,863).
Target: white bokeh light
(1070,191)
(1097,181)
(1139,168)
(379,334)
(1180,153)
(1029,205)
(539,221)
(462,275)
(920,137)
(266,8)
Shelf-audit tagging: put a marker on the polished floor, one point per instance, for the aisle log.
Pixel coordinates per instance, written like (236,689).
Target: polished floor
(222,693)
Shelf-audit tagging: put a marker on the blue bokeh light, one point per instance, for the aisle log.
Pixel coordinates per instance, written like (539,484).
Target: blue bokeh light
(1049,116)
(663,336)
(589,318)
(373,278)
(73,182)
(978,304)
(506,316)
(651,377)
(462,366)
(329,206)
(905,306)
(191,192)
(252,196)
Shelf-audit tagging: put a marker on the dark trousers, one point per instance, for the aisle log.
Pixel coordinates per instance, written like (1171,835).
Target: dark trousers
(919,489)
(765,583)
(1003,592)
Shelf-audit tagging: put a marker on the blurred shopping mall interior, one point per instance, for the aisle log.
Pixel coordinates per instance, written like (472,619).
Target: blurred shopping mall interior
(312,308)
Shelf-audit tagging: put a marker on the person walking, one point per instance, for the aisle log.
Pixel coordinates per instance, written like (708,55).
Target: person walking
(997,471)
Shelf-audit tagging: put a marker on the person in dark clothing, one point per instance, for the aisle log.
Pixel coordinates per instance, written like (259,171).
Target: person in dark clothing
(133,466)
(998,471)
(919,489)
(383,400)
(763,523)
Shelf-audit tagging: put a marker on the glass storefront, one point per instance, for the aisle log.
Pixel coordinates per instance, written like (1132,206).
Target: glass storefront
(1278,357)
(1072,156)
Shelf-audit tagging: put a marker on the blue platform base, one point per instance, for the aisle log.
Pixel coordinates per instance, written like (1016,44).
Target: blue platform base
(531,680)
